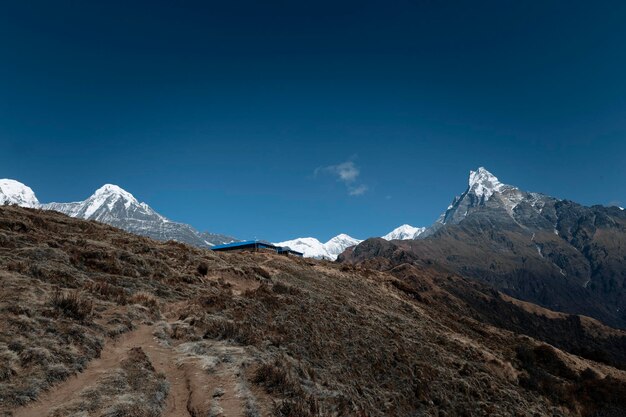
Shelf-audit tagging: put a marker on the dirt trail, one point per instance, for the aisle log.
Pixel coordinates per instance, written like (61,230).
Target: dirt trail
(191,387)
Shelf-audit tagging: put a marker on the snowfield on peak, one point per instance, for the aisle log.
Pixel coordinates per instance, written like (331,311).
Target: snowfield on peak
(110,194)
(404,232)
(484,184)
(14,192)
(339,243)
(313,248)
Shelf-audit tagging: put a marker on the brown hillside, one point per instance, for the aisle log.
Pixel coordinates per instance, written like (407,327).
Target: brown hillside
(97,322)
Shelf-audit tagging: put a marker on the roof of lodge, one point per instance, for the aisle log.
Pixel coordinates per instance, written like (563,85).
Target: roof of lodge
(245,243)
(242,243)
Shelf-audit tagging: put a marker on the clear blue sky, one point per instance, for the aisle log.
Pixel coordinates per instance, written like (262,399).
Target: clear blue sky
(281,119)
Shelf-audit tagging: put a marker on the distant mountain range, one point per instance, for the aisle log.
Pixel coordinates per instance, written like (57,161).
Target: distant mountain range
(117,207)
(313,248)
(112,205)
(552,252)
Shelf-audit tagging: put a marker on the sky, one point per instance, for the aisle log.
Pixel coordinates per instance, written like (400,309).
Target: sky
(283,119)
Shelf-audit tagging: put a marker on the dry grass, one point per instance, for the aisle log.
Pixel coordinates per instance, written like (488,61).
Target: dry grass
(147,300)
(73,304)
(319,338)
(66,284)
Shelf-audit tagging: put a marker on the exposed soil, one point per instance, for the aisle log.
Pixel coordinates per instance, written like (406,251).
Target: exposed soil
(192,390)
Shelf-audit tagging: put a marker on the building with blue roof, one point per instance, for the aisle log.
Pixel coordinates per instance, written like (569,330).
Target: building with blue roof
(255,246)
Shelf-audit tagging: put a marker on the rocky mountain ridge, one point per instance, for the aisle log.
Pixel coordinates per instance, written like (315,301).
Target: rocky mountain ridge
(117,207)
(552,252)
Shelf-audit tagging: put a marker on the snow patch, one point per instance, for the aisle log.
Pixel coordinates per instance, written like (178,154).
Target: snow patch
(484,184)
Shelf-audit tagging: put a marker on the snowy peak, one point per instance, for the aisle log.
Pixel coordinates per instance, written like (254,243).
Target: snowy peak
(313,248)
(404,232)
(483,183)
(106,198)
(116,191)
(14,192)
(482,186)
(342,238)
(309,246)
(339,243)
(488,197)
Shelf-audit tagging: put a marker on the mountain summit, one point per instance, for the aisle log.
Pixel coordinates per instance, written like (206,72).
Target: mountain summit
(485,190)
(313,248)
(483,183)
(404,232)
(117,207)
(110,203)
(14,192)
(113,205)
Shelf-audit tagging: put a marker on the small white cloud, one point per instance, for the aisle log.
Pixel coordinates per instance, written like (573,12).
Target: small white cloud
(347,173)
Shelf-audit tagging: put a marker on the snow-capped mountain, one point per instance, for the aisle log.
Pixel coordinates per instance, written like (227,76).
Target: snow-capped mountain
(113,205)
(109,204)
(534,247)
(14,192)
(117,207)
(485,190)
(404,232)
(339,243)
(313,248)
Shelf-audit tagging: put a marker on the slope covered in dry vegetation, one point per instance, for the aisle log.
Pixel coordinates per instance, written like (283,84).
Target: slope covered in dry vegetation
(260,334)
